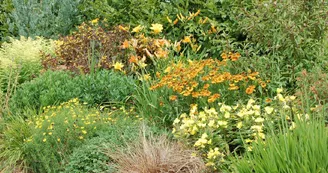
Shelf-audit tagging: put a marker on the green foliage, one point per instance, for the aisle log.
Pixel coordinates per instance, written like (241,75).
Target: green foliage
(6,7)
(13,153)
(303,149)
(42,142)
(123,12)
(287,35)
(154,106)
(195,32)
(90,157)
(313,85)
(175,16)
(105,87)
(151,11)
(58,130)
(48,18)
(55,87)
(48,89)
(88,49)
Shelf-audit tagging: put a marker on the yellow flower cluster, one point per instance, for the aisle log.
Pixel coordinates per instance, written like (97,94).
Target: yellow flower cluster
(69,119)
(183,18)
(212,130)
(155,27)
(203,78)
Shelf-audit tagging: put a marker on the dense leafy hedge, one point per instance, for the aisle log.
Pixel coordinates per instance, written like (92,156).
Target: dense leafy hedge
(55,87)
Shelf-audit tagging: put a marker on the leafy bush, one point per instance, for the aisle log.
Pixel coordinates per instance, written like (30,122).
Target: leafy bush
(127,11)
(304,149)
(105,86)
(196,33)
(48,89)
(55,87)
(287,35)
(90,48)
(151,11)
(6,7)
(313,83)
(216,133)
(48,18)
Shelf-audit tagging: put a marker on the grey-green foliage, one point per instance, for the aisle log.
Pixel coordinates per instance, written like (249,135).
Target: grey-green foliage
(46,18)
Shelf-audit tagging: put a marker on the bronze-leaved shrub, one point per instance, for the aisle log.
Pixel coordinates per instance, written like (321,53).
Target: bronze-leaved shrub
(89,48)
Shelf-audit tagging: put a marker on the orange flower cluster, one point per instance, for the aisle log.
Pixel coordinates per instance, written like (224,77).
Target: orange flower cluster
(203,78)
(231,56)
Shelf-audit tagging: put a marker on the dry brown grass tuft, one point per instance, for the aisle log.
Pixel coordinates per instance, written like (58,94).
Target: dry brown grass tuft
(156,155)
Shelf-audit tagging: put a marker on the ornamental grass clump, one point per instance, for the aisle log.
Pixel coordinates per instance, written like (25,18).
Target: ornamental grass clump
(156,154)
(303,149)
(22,57)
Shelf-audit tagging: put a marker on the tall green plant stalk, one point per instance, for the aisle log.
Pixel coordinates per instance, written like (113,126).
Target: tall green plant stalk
(12,83)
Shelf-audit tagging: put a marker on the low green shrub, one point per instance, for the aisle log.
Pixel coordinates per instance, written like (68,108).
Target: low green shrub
(52,88)
(91,156)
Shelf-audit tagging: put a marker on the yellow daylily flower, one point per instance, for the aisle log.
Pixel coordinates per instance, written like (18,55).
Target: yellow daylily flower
(118,66)
(137,29)
(157,28)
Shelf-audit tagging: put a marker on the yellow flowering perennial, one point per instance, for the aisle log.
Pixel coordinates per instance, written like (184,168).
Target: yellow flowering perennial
(157,28)
(215,132)
(68,121)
